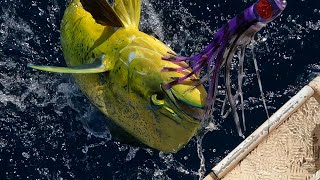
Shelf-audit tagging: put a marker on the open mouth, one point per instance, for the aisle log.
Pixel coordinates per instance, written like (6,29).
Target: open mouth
(182,107)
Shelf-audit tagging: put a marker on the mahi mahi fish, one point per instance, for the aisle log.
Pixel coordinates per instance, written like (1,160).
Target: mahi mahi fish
(119,68)
(147,92)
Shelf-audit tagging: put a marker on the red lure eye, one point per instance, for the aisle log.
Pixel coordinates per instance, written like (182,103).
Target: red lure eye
(264,9)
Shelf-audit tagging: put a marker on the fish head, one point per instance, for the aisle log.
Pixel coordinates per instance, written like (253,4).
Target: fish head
(181,102)
(166,118)
(172,116)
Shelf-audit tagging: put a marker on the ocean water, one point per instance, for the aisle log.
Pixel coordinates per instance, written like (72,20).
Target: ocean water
(49,130)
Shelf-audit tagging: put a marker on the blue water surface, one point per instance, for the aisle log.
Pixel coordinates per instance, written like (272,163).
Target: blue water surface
(49,130)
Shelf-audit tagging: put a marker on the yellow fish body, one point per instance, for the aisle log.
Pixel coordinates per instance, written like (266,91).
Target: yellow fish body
(119,68)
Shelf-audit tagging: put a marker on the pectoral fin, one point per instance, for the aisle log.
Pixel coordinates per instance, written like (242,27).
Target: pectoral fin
(96,67)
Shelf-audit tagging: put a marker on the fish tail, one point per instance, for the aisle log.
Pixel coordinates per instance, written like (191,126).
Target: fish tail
(128,12)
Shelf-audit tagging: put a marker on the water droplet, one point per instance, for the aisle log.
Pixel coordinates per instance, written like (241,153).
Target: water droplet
(26,155)
(85,149)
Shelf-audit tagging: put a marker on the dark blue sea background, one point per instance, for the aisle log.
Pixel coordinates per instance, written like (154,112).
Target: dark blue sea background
(49,130)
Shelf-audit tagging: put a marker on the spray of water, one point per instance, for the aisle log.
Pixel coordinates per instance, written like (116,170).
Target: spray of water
(43,114)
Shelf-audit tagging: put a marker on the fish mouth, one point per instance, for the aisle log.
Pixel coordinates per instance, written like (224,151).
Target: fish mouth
(182,108)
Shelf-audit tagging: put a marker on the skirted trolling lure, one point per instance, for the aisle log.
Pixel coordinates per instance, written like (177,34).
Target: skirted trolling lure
(236,34)
(148,93)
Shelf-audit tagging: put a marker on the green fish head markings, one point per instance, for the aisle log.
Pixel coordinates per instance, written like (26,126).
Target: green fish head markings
(143,63)
(173,113)
(177,112)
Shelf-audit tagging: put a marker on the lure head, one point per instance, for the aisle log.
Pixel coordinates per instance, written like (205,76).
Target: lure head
(268,10)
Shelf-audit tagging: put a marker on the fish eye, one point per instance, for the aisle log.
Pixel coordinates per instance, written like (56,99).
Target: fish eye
(157,99)
(158,102)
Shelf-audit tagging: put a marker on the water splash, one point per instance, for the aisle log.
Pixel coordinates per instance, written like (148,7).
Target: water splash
(50,130)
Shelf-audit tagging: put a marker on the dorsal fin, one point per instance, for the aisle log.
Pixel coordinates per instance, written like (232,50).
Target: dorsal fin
(102,12)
